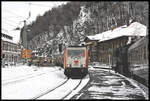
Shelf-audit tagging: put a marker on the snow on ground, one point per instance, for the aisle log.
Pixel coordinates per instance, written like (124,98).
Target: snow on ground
(83,83)
(30,87)
(17,72)
(34,81)
(62,91)
(139,86)
(99,65)
(143,89)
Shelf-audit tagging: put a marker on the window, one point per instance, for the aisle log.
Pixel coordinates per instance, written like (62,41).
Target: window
(144,55)
(4,46)
(12,47)
(16,48)
(3,55)
(76,53)
(8,46)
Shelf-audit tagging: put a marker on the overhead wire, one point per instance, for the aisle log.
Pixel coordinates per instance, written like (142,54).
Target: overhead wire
(14,13)
(10,20)
(5,30)
(39,5)
(9,24)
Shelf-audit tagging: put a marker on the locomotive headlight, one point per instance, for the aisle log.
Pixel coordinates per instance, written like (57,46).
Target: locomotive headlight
(68,65)
(83,65)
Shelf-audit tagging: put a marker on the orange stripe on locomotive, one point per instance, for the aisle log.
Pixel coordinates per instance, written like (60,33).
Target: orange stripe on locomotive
(65,58)
(86,58)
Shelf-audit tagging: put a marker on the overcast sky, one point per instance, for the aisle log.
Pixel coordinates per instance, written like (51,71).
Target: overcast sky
(15,12)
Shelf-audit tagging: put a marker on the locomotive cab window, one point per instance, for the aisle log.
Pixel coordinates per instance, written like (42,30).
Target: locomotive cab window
(79,53)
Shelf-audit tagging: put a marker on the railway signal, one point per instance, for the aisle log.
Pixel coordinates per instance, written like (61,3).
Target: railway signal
(28,54)
(23,52)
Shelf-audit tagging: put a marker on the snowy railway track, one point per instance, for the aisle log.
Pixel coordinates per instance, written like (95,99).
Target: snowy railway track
(22,78)
(48,91)
(72,90)
(53,93)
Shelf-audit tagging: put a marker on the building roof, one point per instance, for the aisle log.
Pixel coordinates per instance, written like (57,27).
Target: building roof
(7,38)
(134,29)
(140,42)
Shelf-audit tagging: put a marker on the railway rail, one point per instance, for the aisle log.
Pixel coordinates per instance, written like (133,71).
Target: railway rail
(55,90)
(72,90)
(49,90)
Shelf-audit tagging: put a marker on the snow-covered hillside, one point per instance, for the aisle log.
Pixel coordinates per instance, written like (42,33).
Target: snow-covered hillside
(47,44)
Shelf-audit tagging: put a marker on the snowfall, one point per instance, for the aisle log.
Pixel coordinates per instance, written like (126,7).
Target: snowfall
(28,82)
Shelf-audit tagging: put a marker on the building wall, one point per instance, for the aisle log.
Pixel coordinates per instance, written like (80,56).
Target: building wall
(92,49)
(10,52)
(103,51)
(93,52)
(106,49)
(1,48)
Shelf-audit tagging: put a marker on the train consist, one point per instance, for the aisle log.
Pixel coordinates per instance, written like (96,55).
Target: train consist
(76,61)
(56,60)
(132,60)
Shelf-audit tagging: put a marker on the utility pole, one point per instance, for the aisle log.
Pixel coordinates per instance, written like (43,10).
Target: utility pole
(25,37)
(25,40)
(109,63)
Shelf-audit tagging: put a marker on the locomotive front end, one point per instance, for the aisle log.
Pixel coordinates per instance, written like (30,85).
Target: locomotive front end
(76,62)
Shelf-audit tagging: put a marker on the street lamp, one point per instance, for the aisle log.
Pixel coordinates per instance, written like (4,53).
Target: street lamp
(25,40)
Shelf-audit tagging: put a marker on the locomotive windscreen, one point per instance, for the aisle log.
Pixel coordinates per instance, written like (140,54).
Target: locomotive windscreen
(78,53)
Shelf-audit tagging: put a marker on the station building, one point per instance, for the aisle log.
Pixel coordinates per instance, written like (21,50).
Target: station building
(102,46)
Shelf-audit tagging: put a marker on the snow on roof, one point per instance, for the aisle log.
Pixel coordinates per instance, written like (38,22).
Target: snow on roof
(6,39)
(135,29)
(14,34)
